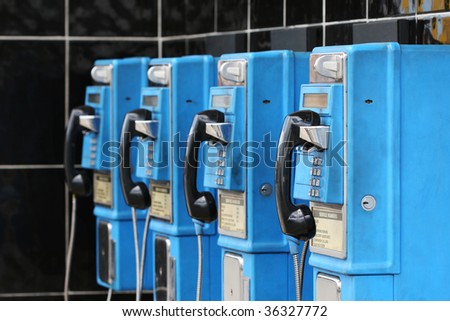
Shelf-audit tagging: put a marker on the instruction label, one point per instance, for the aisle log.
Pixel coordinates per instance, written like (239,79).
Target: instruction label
(329,229)
(232,214)
(161,200)
(103,189)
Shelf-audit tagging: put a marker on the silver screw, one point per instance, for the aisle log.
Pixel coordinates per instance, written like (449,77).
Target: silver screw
(266,189)
(368,203)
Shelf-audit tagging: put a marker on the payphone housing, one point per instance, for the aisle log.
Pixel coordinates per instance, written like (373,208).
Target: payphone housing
(255,92)
(178,90)
(375,171)
(117,91)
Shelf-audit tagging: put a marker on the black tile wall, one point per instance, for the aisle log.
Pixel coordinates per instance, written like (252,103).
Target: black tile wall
(174,48)
(113,18)
(173,22)
(31,230)
(187,17)
(302,12)
(401,31)
(83,54)
(32,91)
(83,274)
(231,15)
(199,16)
(266,13)
(44,74)
(297,39)
(341,34)
(388,8)
(340,10)
(260,41)
(30,17)
(226,44)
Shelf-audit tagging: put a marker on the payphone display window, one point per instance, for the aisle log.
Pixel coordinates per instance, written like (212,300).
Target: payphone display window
(94,98)
(150,101)
(221,101)
(312,100)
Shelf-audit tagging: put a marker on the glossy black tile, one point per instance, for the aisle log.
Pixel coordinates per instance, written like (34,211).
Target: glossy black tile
(401,31)
(83,274)
(30,17)
(32,241)
(113,18)
(340,10)
(175,48)
(196,46)
(219,45)
(260,41)
(435,30)
(80,296)
(301,12)
(387,8)
(314,37)
(32,106)
(199,16)
(117,296)
(83,55)
(173,17)
(432,5)
(231,15)
(298,39)
(266,13)
(338,34)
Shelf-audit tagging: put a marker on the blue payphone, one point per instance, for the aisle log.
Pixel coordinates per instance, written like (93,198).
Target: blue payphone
(255,92)
(178,90)
(117,90)
(372,157)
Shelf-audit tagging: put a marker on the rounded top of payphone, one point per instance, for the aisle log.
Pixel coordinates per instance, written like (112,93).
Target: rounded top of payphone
(102,74)
(159,75)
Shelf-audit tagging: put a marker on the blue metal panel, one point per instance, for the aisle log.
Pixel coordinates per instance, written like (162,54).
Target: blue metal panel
(124,259)
(256,112)
(100,152)
(390,93)
(177,103)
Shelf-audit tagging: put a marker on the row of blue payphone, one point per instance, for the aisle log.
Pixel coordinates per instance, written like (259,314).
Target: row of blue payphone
(270,176)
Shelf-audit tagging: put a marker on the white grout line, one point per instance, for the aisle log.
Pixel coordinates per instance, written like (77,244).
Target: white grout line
(160,39)
(37,166)
(324,18)
(284,13)
(38,294)
(249,25)
(66,114)
(159,29)
(367,10)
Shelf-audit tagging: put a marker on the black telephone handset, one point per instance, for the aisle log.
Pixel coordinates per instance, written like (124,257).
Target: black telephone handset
(136,194)
(201,205)
(78,181)
(295,220)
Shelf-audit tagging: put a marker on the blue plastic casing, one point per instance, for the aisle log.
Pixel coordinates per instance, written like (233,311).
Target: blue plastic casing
(242,171)
(381,213)
(115,249)
(173,106)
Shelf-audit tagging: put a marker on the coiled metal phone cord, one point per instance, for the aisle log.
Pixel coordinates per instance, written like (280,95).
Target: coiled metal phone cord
(298,294)
(70,248)
(200,268)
